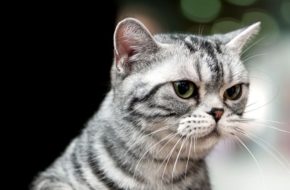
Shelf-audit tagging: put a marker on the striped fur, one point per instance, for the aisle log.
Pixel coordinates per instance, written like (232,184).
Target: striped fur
(142,136)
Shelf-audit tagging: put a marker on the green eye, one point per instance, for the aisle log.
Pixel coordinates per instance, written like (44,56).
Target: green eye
(184,89)
(233,93)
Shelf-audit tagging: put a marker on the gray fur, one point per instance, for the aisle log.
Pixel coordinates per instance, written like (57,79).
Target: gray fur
(142,136)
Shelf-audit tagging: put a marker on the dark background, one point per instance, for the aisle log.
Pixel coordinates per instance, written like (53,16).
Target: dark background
(58,82)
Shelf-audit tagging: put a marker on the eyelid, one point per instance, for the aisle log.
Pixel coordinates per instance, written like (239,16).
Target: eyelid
(226,87)
(189,80)
(182,79)
(234,84)
(241,83)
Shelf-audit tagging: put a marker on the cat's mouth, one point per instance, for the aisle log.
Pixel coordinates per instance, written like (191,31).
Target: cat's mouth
(213,133)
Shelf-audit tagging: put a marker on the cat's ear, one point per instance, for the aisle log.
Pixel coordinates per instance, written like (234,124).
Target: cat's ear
(131,37)
(239,38)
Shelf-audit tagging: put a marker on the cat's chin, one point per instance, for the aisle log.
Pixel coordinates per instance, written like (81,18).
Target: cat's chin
(209,140)
(205,144)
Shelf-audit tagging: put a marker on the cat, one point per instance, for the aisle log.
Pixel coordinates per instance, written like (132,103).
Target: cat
(172,98)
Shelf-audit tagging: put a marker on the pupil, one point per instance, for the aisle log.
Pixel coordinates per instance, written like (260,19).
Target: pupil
(231,91)
(183,87)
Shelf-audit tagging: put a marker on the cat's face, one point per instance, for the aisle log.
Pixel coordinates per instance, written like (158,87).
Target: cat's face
(194,87)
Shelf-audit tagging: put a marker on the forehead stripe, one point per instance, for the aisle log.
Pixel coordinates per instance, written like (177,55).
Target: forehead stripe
(190,46)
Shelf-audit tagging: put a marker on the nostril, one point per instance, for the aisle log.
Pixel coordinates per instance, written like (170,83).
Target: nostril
(216,113)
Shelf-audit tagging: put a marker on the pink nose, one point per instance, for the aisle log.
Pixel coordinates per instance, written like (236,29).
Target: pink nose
(216,113)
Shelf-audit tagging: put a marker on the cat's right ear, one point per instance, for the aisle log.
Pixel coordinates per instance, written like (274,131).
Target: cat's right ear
(131,37)
(239,38)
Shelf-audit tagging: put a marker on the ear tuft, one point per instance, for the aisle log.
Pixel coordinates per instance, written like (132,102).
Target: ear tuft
(130,38)
(241,37)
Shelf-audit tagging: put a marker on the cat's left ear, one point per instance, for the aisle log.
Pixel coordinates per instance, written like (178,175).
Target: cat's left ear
(131,37)
(239,38)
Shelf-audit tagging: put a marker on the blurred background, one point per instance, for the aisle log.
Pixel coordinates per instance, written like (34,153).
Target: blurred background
(66,51)
(265,165)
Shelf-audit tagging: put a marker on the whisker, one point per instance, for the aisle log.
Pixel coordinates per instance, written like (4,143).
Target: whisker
(177,157)
(142,136)
(241,120)
(172,137)
(169,140)
(253,44)
(166,143)
(268,79)
(276,128)
(267,149)
(262,121)
(200,29)
(170,154)
(190,145)
(263,125)
(251,104)
(141,158)
(194,141)
(254,158)
(274,149)
(251,57)
(271,121)
(272,127)
(273,98)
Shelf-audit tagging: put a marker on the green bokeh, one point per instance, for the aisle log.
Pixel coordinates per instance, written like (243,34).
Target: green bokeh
(225,25)
(242,2)
(201,11)
(285,11)
(269,29)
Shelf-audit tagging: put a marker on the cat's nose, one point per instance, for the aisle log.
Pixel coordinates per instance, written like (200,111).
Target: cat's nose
(216,113)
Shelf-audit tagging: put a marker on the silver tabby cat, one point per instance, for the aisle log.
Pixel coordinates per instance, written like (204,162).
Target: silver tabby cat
(173,97)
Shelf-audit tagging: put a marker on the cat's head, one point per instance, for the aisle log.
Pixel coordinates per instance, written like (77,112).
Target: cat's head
(192,86)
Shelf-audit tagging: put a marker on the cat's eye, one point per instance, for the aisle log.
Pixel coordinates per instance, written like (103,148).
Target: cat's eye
(233,93)
(185,89)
